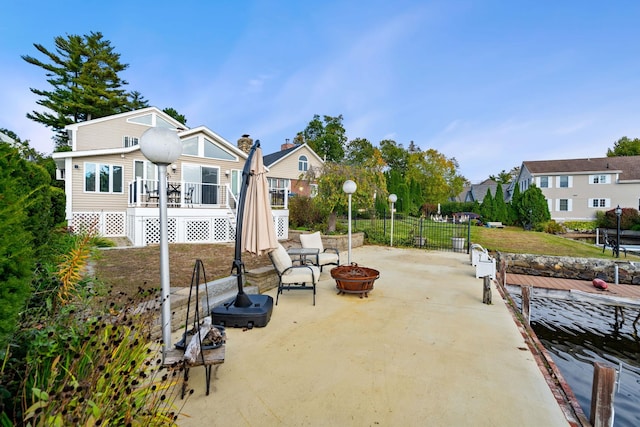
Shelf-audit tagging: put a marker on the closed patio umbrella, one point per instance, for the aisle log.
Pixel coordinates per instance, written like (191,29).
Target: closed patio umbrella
(258,232)
(255,233)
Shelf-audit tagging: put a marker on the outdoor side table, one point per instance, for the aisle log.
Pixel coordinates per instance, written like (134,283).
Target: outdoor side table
(302,253)
(175,359)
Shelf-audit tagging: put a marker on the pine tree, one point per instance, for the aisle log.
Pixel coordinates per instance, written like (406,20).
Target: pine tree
(533,207)
(487,209)
(514,205)
(499,206)
(83,72)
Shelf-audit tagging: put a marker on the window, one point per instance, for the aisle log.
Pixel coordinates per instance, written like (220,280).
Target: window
(544,182)
(564,181)
(303,163)
(313,190)
(103,178)
(599,203)
(129,141)
(278,183)
(564,205)
(598,179)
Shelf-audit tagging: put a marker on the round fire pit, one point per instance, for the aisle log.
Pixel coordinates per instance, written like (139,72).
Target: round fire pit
(353,279)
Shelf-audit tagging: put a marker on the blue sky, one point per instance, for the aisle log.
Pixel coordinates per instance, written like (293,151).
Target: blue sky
(491,83)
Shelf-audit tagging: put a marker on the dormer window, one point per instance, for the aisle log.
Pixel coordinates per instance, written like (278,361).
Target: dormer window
(129,141)
(303,163)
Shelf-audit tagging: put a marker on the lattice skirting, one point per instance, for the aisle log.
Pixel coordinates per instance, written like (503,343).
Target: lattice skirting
(108,224)
(143,230)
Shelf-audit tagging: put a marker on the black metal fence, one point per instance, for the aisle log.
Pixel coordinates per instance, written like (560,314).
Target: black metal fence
(413,232)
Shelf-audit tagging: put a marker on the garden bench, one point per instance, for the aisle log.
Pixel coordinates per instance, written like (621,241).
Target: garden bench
(495,224)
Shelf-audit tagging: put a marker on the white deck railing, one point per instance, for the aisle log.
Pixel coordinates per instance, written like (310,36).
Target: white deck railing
(181,194)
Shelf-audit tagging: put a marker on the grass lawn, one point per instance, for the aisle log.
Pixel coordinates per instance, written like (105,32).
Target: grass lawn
(516,240)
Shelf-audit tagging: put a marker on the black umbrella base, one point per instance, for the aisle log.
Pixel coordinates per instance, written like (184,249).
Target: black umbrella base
(257,313)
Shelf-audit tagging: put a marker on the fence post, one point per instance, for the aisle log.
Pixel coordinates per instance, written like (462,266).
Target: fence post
(486,290)
(468,235)
(526,303)
(604,380)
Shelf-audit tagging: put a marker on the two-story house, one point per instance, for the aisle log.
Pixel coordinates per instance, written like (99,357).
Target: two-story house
(288,172)
(576,189)
(111,187)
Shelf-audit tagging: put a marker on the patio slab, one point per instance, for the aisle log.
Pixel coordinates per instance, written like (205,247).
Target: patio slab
(422,349)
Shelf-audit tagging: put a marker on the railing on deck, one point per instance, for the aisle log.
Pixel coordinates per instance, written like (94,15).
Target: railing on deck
(279,198)
(145,193)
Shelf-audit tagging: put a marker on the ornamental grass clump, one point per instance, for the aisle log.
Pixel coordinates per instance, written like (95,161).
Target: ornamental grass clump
(75,361)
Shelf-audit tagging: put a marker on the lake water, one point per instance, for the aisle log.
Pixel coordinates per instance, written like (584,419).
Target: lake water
(577,334)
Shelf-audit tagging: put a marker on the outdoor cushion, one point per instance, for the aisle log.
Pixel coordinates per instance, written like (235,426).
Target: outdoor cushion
(301,274)
(312,240)
(325,256)
(281,258)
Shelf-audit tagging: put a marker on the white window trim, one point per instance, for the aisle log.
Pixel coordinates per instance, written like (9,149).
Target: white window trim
(97,178)
(569,205)
(569,181)
(607,179)
(607,203)
(549,181)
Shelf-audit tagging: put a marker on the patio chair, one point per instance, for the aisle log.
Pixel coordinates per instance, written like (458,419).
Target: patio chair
(188,196)
(151,195)
(326,256)
(291,276)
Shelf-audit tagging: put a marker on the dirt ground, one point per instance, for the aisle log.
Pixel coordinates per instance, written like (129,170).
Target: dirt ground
(126,269)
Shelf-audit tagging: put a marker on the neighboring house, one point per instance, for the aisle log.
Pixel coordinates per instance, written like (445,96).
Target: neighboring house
(576,189)
(287,172)
(476,192)
(112,187)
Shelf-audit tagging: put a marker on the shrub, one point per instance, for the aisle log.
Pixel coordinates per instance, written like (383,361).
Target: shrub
(303,212)
(553,227)
(581,226)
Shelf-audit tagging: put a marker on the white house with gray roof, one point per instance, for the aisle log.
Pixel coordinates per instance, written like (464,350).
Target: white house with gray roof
(576,189)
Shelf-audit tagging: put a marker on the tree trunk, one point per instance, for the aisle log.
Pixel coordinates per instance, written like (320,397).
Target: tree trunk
(331,222)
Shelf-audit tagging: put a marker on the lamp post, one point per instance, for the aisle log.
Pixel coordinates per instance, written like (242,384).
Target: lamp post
(618,214)
(162,146)
(393,199)
(349,187)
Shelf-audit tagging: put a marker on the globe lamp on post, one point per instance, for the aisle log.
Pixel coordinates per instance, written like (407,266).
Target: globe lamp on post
(349,187)
(618,214)
(162,147)
(393,199)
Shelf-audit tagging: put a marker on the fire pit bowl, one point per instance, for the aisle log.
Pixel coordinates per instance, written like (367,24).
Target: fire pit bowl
(353,279)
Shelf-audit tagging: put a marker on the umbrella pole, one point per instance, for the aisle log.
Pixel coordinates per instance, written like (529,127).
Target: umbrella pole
(242,299)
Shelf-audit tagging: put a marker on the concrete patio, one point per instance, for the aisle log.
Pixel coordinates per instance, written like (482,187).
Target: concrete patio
(422,349)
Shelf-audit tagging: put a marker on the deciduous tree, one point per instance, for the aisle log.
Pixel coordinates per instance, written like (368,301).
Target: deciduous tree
(625,147)
(326,137)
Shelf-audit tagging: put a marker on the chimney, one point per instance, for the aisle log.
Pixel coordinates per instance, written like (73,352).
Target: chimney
(286,145)
(245,143)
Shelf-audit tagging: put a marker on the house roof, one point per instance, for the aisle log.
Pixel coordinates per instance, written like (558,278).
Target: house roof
(476,192)
(129,113)
(273,158)
(627,166)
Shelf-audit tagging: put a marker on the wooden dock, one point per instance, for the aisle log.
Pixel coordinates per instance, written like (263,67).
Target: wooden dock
(583,290)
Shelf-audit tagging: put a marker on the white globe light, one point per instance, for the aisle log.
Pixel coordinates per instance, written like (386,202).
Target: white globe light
(161,146)
(349,187)
(393,198)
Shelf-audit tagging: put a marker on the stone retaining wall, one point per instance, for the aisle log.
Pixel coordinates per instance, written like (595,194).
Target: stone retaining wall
(571,267)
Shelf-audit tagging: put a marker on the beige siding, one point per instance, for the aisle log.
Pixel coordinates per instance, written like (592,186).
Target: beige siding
(84,201)
(288,167)
(107,134)
(581,193)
